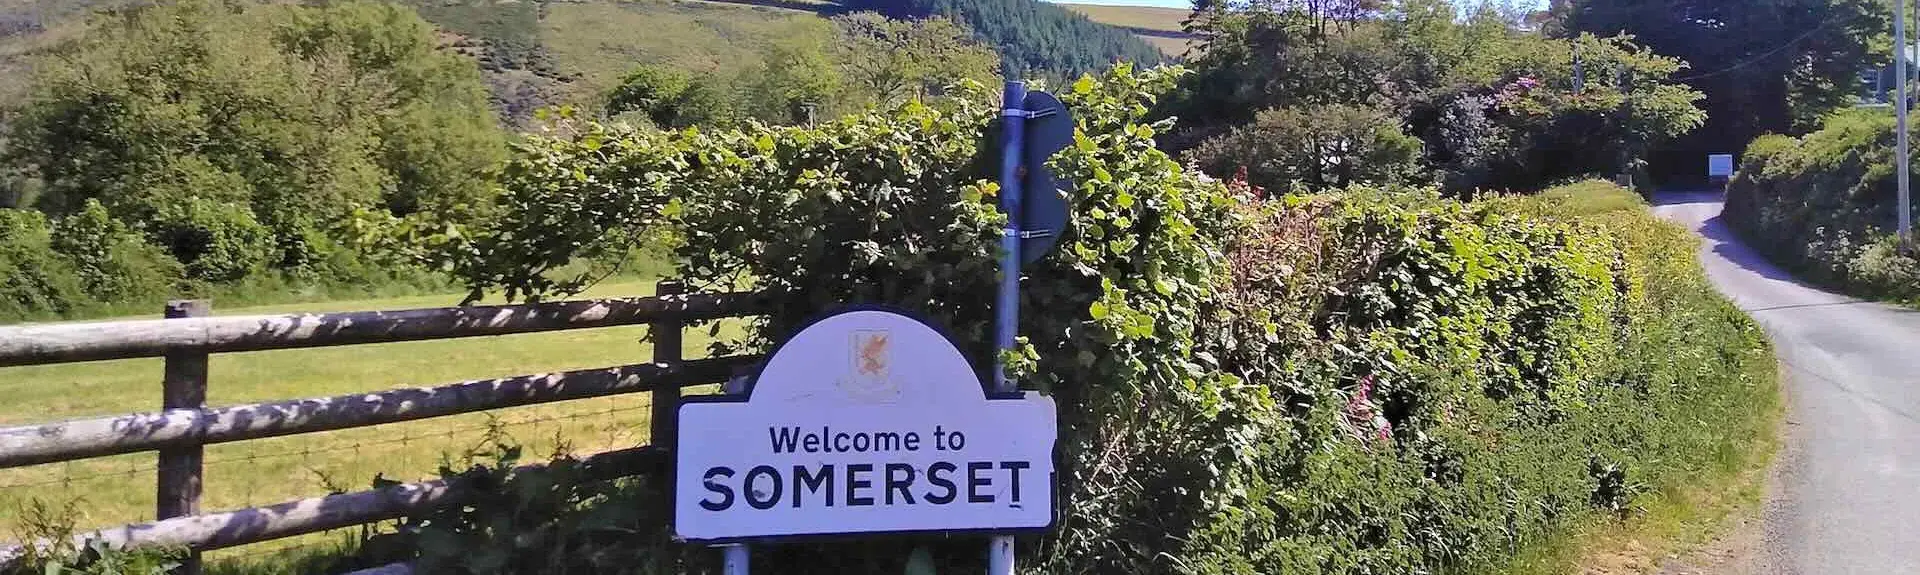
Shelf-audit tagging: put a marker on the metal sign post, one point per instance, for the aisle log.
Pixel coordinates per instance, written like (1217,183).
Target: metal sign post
(1035,125)
(735,559)
(1007,310)
(1900,54)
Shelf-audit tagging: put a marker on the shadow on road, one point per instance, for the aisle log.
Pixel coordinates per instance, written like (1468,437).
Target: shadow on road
(1727,245)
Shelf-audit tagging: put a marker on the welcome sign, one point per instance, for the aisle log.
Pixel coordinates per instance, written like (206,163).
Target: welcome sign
(865,421)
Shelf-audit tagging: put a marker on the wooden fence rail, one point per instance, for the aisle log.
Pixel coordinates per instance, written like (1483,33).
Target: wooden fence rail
(184,425)
(316,514)
(92,341)
(99,437)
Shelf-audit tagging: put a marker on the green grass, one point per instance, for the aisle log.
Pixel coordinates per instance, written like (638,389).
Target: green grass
(603,41)
(119,489)
(1677,516)
(18,51)
(1142,17)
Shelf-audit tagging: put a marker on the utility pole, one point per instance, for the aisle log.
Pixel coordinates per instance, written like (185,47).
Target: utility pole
(1900,116)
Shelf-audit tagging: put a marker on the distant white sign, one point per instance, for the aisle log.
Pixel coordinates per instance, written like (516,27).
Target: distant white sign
(1720,166)
(866,421)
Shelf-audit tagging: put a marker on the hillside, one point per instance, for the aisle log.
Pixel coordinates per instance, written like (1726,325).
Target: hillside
(537,53)
(1160,27)
(1029,34)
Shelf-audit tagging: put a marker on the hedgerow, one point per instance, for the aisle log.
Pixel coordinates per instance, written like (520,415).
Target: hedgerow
(1367,381)
(1824,206)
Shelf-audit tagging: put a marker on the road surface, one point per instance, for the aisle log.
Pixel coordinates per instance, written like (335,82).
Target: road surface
(1846,496)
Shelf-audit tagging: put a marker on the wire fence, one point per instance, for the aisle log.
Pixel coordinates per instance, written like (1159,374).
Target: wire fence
(314,552)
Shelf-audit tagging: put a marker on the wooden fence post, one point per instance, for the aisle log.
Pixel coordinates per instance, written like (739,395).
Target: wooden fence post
(665,432)
(183,386)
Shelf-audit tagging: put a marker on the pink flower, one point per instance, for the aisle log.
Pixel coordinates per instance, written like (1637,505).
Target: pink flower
(1239,185)
(1361,413)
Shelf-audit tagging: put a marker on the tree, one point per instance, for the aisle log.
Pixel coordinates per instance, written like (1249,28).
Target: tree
(281,117)
(889,60)
(651,90)
(1495,106)
(797,69)
(834,67)
(1764,65)
(1316,147)
(672,98)
(1032,36)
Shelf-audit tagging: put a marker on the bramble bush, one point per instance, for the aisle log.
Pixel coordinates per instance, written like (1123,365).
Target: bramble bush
(1823,206)
(1483,103)
(1314,148)
(1363,381)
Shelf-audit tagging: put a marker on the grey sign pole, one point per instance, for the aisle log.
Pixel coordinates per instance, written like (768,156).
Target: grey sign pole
(1900,55)
(735,559)
(1007,308)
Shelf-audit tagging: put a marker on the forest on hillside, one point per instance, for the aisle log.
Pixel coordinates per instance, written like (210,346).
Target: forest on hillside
(1032,37)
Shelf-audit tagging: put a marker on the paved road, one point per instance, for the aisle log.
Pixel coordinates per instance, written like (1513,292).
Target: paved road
(1846,498)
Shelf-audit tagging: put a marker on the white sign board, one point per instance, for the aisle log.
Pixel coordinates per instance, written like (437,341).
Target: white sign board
(866,421)
(1720,165)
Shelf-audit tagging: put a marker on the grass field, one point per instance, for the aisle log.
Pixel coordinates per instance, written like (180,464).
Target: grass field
(1142,17)
(1164,20)
(603,41)
(120,489)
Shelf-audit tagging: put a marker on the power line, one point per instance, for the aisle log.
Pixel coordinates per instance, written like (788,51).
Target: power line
(1756,59)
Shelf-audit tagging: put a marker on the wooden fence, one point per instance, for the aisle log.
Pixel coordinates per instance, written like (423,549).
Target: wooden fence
(184,424)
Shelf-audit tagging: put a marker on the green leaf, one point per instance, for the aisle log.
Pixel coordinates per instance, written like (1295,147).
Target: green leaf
(1098,310)
(1082,142)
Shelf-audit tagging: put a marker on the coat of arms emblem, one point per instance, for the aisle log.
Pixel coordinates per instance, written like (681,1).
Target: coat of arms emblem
(870,366)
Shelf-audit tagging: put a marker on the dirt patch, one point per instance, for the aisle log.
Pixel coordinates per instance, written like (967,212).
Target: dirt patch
(1740,549)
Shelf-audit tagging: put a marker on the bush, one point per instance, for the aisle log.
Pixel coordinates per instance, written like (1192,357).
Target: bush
(292,114)
(81,264)
(1824,205)
(113,263)
(34,280)
(653,91)
(1495,106)
(1452,381)
(1364,381)
(1314,148)
(216,241)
